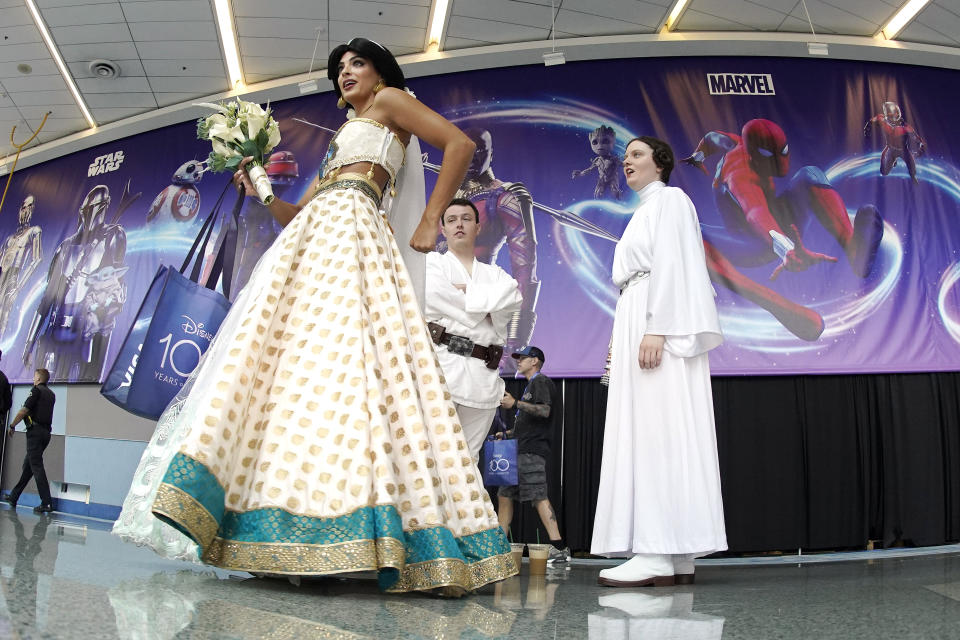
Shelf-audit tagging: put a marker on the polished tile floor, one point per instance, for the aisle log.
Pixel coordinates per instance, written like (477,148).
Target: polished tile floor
(66,577)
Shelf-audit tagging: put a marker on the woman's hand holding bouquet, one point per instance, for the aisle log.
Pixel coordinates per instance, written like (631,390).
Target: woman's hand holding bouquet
(239,129)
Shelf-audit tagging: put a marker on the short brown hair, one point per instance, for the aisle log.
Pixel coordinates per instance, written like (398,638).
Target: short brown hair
(44,375)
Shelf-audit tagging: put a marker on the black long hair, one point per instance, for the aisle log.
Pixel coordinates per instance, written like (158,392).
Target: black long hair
(378,55)
(662,155)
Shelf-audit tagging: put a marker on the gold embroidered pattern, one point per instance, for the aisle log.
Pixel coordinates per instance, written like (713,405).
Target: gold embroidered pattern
(177,506)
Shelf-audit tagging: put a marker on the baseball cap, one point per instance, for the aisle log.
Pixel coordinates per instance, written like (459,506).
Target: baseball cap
(529,351)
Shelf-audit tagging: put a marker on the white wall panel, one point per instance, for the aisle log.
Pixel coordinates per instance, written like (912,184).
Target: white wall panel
(106,466)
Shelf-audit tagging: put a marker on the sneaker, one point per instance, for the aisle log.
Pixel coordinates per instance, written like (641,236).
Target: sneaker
(43,508)
(10,500)
(558,556)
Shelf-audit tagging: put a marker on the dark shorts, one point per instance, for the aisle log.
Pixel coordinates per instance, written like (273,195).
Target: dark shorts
(532,474)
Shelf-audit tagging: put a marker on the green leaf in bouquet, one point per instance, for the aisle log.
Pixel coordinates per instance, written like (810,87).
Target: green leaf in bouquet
(249,148)
(203,129)
(233,162)
(262,139)
(216,162)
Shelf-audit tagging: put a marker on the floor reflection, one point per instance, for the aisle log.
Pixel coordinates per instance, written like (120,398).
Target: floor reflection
(635,615)
(196,605)
(64,577)
(20,589)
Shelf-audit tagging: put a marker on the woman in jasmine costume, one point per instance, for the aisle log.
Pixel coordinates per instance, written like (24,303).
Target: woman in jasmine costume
(317,435)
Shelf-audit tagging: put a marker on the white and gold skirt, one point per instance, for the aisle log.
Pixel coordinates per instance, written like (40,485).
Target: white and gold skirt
(317,435)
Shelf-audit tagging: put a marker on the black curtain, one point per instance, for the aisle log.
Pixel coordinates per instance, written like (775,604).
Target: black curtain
(811,462)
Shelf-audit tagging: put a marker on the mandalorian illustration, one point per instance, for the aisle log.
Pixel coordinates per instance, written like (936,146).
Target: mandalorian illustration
(85,291)
(506,217)
(22,252)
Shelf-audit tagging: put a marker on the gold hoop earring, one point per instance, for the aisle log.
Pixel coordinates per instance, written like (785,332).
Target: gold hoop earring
(341,103)
(377,87)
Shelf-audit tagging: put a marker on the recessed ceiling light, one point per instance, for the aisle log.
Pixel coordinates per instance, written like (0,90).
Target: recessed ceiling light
(24,68)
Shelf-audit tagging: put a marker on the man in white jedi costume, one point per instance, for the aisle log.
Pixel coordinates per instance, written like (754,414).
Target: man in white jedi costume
(468,306)
(659,502)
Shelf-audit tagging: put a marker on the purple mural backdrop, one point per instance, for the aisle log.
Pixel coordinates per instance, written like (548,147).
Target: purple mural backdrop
(827,193)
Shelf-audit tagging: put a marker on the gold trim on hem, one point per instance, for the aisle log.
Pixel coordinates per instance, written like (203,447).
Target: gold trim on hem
(444,572)
(179,506)
(293,558)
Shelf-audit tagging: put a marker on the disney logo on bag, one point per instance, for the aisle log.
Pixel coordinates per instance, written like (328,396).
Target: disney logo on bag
(193,328)
(499,463)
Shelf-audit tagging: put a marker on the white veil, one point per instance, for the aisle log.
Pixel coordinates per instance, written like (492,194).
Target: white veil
(404,211)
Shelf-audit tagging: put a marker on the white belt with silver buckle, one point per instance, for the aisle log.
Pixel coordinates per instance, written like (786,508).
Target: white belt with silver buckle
(634,279)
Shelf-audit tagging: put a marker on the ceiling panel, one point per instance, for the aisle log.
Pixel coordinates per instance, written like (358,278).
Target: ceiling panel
(163,10)
(43,98)
(505,11)
(91,34)
(128,69)
(185,68)
(270,67)
(123,84)
(127,99)
(105,115)
(167,99)
(732,15)
(938,23)
(391,13)
(14,14)
(389,36)
(310,9)
(281,28)
(169,50)
(94,50)
(494,32)
(271,47)
(642,14)
(93,14)
(34,82)
(199,85)
(587,24)
(45,67)
(168,32)
(183,50)
(12,36)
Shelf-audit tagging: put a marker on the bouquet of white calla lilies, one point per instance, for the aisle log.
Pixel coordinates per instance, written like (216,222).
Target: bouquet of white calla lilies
(239,129)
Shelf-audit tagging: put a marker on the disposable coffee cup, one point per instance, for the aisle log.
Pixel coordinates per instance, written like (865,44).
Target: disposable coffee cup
(539,553)
(507,593)
(516,548)
(536,592)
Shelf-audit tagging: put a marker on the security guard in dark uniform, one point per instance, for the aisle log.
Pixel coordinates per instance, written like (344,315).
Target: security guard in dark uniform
(37,413)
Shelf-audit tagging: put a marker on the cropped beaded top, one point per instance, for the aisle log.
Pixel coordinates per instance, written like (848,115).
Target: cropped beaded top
(363,140)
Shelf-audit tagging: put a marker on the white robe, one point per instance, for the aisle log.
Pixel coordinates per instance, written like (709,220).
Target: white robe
(480,314)
(660,479)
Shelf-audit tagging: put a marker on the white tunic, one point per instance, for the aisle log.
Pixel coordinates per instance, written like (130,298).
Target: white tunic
(660,479)
(480,314)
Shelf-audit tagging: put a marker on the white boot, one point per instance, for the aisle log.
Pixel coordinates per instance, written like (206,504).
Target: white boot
(642,570)
(639,605)
(683,568)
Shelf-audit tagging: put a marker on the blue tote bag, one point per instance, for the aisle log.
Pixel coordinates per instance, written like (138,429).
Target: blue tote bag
(174,326)
(499,460)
